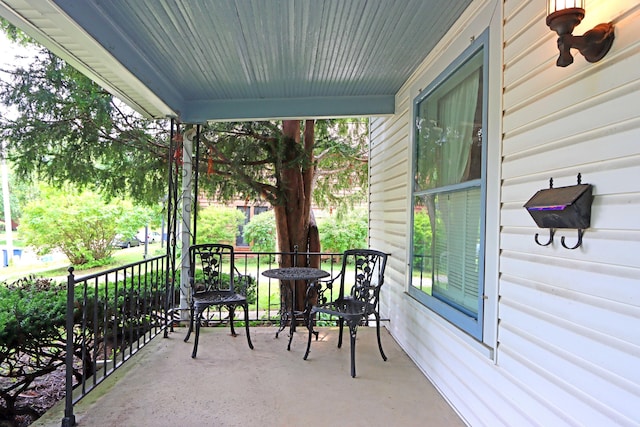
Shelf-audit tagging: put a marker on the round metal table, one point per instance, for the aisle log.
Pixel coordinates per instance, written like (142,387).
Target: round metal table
(290,275)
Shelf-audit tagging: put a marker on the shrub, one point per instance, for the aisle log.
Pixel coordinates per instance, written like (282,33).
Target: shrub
(32,339)
(219,224)
(260,232)
(347,231)
(423,240)
(82,226)
(32,329)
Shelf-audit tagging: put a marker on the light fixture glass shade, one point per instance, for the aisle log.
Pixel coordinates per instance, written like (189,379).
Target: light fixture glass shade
(556,5)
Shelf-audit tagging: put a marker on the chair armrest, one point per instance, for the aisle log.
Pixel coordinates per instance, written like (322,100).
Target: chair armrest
(327,285)
(244,284)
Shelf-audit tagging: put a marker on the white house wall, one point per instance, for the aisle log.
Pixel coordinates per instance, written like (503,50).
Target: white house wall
(562,327)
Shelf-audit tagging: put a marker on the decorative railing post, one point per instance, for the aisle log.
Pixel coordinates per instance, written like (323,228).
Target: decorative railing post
(169,304)
(69,419)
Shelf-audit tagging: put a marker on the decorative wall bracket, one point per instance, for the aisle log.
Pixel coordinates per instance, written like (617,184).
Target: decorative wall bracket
(552,232)
(562,207)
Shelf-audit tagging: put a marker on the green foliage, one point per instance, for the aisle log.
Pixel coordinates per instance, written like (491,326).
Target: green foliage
(32,328)
(70,130)
(31,310)
(346,231)
(96,263)
(247,286)
(342,161)
(423,239)
(219,224)
(20,193)
(422,234)
(82,226)
(260,232)
(244,160)
(13,33)
(32,319)
(126,300)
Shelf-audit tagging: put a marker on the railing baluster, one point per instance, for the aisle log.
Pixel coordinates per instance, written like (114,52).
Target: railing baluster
(69,419)
(83,336)
(96,331)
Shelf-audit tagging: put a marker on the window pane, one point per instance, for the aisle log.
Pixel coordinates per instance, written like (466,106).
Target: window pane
(448,195)
(449,130)
(457,246)
(446,245)
(424,211)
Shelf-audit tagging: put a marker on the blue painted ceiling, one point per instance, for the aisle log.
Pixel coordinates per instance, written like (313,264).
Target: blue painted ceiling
(243,59)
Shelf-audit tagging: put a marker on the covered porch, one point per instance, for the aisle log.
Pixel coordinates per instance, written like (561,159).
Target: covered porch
(231,385)
(556,341)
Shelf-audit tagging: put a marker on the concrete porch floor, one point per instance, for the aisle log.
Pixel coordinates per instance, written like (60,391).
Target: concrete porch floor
(231,385)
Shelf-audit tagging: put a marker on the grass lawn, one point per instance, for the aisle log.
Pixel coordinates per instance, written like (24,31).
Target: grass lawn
(58,268)
(16,243)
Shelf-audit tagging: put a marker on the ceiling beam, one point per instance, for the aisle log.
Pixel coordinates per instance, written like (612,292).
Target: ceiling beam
(287,108)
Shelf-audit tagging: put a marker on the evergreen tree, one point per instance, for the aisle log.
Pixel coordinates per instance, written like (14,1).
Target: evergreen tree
(70,130)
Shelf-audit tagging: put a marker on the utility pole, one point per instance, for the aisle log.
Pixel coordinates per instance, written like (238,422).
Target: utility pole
(7,204)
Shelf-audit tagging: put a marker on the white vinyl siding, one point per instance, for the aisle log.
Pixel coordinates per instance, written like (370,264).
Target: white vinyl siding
(565,346)
(566,316)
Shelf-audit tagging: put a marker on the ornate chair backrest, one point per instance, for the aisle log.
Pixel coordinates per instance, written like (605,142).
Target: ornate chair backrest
(211,267)
(363,271)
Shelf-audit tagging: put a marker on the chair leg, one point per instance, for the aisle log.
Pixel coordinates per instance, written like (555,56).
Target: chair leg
(378,333)
(310,328)
(197,337)
(190,325)
(246,324)
(353,330)
(232,310)
(340,326)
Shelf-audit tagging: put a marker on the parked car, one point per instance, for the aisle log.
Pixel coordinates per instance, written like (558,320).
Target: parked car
(152,237)
(120,242)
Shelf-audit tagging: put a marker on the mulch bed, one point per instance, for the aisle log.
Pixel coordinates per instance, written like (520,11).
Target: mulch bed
(47,391)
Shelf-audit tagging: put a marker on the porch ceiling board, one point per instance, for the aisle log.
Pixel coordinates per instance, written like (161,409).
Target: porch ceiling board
(244,59)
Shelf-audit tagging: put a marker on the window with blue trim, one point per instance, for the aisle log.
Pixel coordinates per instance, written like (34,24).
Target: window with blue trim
(449,192)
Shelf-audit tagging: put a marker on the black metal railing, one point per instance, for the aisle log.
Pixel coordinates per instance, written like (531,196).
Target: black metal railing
(114,313)
(110,316)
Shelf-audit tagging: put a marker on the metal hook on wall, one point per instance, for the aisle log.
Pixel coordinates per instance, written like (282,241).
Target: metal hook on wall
(577,245)
(552,232)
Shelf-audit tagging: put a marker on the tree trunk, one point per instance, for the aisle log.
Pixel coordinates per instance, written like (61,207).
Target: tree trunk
(293,210)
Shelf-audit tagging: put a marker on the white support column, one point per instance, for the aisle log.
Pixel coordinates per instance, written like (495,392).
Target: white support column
(185,233)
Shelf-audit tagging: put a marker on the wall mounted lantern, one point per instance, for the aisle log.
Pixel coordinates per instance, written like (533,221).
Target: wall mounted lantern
(562,17)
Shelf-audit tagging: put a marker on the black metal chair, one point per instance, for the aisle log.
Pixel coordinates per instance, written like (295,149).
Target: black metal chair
(215,282)
(363,270)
